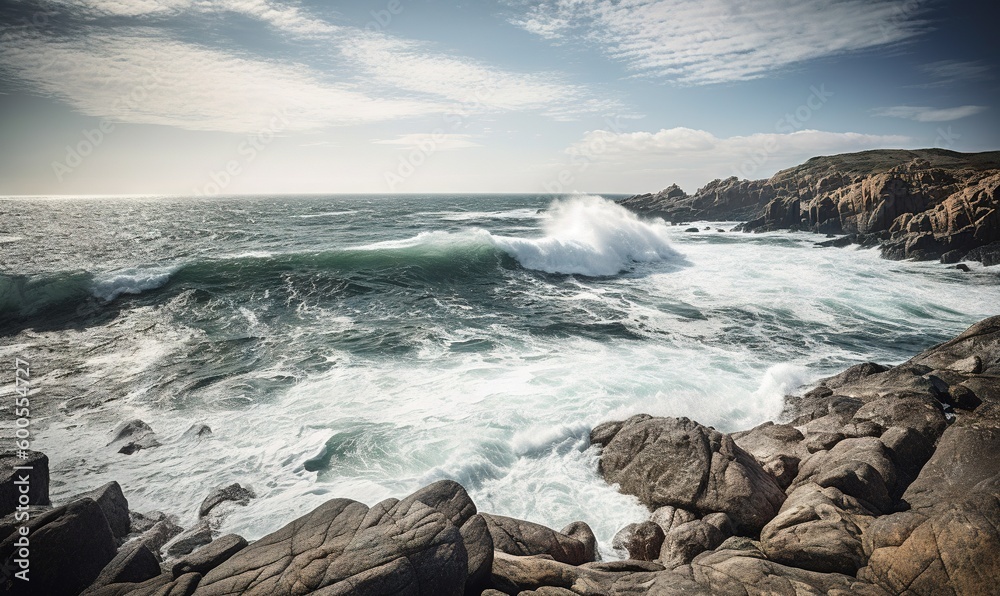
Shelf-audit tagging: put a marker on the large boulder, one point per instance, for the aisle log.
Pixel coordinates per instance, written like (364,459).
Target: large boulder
(344,547)
(678,462)
(209,556)
(114,505)
(69,546)
(134,563)
(524,538)
(685,541)
(818,529)
(642,541)
(33,476)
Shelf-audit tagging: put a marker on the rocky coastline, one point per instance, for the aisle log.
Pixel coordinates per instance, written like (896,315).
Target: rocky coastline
(879,480)
(927,204)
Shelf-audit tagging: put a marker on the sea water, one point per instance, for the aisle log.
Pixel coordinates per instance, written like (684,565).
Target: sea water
(364,346)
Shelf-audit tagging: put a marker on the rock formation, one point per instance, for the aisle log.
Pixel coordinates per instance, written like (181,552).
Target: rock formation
(927,204)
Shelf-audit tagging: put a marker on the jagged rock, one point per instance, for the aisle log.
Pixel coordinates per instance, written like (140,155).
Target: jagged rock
(209,556)
(232,493)
(133,436)
(11,480)
(818,529)
(641,541)
(74,540)
(524,538)
(675,461)
(141,522)
(159,535)
(198,431)
(345,547)
(189,540)
(134,563)
(113,503)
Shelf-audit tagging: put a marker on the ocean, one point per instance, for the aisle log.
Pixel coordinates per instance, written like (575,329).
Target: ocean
(363,346)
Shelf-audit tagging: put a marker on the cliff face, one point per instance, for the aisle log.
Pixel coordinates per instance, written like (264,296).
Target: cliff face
(926,204)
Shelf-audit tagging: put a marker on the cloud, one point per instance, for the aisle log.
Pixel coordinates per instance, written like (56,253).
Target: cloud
(692,157)
(139,76)
(949,72)
(415,67)
(697,42)
(432,141)
(927,114)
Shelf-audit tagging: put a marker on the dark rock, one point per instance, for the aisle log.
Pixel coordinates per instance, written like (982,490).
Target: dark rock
(141,522)
(209,556)
(692,230)
(232,493)
(523,538)
(988,255)
(161,585)
(625,565)
(114,505)
(674,461)
(134,563)
(344,547)
(188,540)
(159,535)
(36,478)
(73,539)
(198,431)
(963,267)
(641,541)
(582,532)
(133,436)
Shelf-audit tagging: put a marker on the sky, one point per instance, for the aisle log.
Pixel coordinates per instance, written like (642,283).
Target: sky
(226,97)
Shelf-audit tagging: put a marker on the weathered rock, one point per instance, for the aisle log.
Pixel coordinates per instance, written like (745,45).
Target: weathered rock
(74,539)
(234,493)
(669,517)
(113,503)
(818,529)
(161,585)
(36,479)
(582,532)
(133,436)
(452,500)
(674,461)
(188,540)
(523,538)
(141,522)
(840,467)
(949,542)
(823,441)
(159,535)
(641,541)
(684,542)
(343,547)
(134,563)
(777,447)
(209,556)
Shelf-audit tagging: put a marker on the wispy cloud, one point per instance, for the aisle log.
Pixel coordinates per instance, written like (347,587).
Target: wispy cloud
(943,73)
(927,114)
(710,41)
(475,86)
(141,77)
(435,142)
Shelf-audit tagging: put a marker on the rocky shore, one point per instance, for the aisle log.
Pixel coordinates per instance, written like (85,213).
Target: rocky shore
(926,204)
(879,480)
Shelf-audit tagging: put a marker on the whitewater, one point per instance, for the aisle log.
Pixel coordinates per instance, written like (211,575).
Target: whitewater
(361,346)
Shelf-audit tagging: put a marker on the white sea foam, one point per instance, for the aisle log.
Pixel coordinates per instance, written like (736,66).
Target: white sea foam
(109,286)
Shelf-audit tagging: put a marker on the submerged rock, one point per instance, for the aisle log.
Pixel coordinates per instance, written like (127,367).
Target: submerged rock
(234,493)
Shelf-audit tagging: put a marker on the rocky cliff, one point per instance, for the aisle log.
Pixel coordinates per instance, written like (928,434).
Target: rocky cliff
(879,480)
(924,204)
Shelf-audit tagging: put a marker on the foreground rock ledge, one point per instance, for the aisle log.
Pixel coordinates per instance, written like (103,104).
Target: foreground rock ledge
(879,481)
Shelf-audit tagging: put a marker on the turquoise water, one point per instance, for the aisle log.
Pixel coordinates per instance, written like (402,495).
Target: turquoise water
(364,346)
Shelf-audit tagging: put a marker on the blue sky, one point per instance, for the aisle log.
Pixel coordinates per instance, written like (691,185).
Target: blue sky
(264,96)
